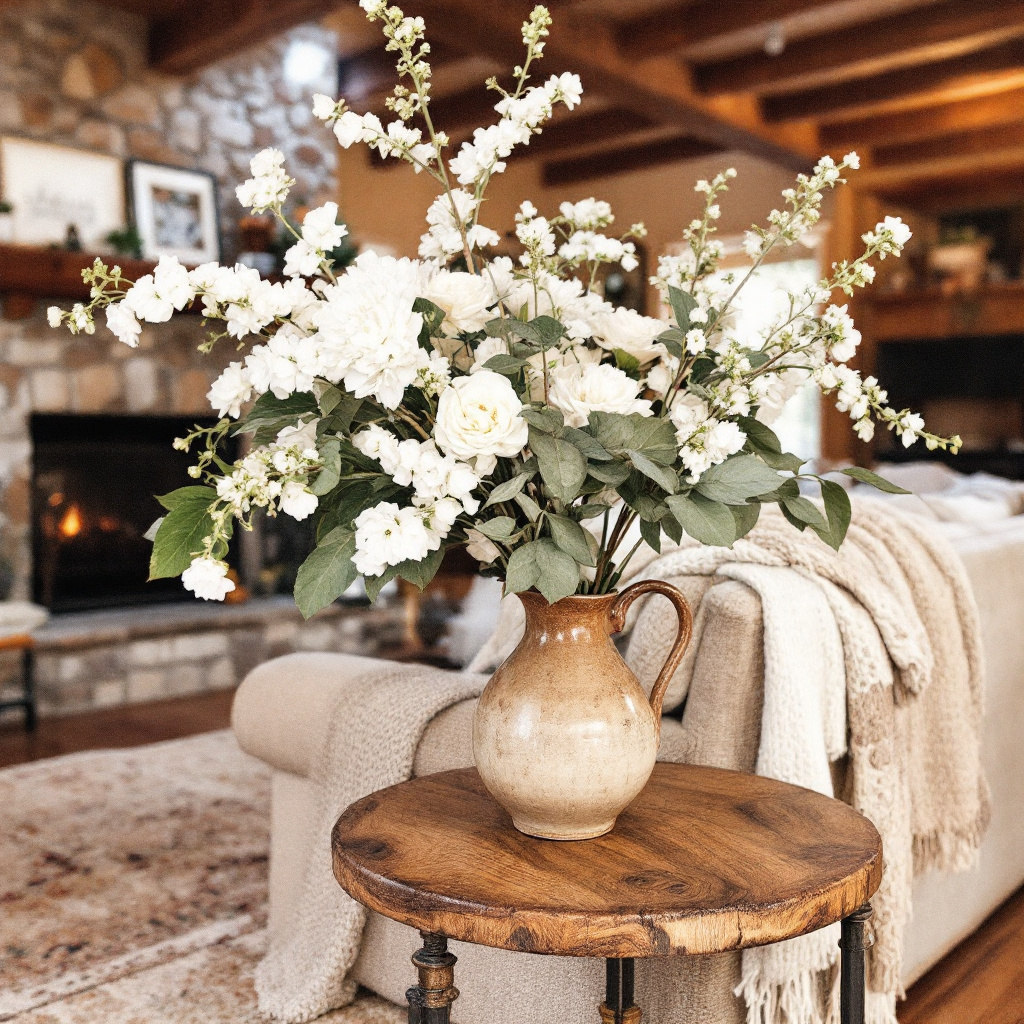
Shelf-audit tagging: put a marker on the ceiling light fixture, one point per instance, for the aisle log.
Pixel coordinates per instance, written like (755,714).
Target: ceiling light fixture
(775,41)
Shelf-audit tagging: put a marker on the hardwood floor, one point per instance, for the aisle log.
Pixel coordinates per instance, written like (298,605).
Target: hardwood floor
(980,982)
(129,726)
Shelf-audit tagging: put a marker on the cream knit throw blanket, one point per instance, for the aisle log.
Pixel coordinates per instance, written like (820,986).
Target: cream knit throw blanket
(374,731)
(896,646)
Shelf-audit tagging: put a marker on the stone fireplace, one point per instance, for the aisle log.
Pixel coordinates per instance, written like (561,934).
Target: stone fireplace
(86,423)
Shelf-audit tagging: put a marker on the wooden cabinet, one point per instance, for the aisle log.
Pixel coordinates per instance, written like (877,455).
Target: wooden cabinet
(932,315)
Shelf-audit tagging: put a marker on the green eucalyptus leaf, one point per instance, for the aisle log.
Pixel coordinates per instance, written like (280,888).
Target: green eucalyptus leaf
(614,474)
(523,568)
(590,447)
(570,537)
(270,414)
(562,465)
(865,476)
(330,475)
(549,330)
(705,520)
(508,490)
(746,517)
(591,511)
(327,573)
(738,478)
(682,304)
(805,510)
(838,512)
(559,574)
(182,531)
(498,528)
(375,584)
(529,506)
(672,528)
(673,339)
(422,572)
(506,365)
(651,533)
(661,475)
(545,419)
(652,436)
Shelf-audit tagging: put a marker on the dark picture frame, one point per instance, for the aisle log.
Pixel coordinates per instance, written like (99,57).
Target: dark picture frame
(175,210)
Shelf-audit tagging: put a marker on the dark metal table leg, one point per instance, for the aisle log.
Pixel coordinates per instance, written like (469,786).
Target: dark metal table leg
(853,943)
(430,1002)
(618,1006)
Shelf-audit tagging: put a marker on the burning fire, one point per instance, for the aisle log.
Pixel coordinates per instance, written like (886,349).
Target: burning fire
(70,524)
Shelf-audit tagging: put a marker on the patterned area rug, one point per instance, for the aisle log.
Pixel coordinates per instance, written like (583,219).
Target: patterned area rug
(133,887)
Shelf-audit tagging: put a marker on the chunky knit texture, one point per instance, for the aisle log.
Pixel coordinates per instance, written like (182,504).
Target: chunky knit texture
(375,728)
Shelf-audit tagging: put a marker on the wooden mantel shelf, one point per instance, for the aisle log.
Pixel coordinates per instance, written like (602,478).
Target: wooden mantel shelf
(29,273)
(930,314)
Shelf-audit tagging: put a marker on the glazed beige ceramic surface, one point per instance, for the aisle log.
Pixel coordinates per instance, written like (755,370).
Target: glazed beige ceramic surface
(564,736)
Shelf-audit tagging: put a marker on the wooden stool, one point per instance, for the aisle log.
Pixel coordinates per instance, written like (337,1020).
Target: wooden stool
(703,861)
(24,643)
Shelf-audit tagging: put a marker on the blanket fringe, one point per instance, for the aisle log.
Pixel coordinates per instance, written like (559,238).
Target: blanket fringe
(952,850)
(799,998)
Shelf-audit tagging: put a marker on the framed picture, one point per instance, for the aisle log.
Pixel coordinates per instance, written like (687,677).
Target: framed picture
(51,188)
(174,209)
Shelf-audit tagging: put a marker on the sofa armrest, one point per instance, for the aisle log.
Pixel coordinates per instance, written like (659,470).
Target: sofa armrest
(282,710)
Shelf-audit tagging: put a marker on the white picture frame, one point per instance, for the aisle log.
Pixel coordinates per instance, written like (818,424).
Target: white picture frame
(174,210)
(52,187)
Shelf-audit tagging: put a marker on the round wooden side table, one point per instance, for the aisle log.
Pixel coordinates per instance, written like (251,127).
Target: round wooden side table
(703,861)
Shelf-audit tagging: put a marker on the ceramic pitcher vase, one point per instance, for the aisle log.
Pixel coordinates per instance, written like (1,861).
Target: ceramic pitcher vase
(564,735)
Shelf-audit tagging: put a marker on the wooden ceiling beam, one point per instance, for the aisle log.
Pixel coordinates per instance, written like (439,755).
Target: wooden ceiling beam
(681,26)
(1005,107)
(824,100)
(960,143)
(578,169)
(899,39)
(660,92)
(362,75)
(188,40)
(581,130)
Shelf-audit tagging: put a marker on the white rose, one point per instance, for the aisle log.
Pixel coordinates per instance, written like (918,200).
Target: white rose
(465,299)
(298,501)
(579,391)
(661,376)
(207,578)
(627,329)
(478,418)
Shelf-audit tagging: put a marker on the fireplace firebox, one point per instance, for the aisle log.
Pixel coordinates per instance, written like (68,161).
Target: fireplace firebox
(93,484)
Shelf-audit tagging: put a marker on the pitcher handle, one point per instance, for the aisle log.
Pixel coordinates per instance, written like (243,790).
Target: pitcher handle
(675,656)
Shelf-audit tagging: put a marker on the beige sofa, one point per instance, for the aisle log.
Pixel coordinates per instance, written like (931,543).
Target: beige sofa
(281,713)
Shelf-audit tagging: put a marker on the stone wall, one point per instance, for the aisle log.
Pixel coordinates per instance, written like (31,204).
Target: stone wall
(73,72)
(43,370)
(101,659)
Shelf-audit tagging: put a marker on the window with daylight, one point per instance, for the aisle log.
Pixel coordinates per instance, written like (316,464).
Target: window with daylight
(761,301)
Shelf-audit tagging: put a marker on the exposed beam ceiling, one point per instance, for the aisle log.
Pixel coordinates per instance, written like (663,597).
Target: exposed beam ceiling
(927,122)
(581,130)
(939,30)
(960,143)
(574,170)
(661,91)
(681,26)
(189,40)
(860,92)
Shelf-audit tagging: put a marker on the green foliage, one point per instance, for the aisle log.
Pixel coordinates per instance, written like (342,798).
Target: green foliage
(865,476)
(327,573)
(270,415)
(737,479)
(541,564)
(763,442)
(683,303)
(704,519)
(182,531)
(499,528)
(571,538)
(562,465)
(651,436)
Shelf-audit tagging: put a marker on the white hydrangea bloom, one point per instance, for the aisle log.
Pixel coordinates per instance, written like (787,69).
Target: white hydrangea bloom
(207,578)
(369,333)
(230,391)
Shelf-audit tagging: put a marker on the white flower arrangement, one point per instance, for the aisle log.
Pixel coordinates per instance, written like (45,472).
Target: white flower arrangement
(411,405)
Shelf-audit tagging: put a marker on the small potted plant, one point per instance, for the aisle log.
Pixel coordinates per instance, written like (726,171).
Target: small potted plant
(6,221)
